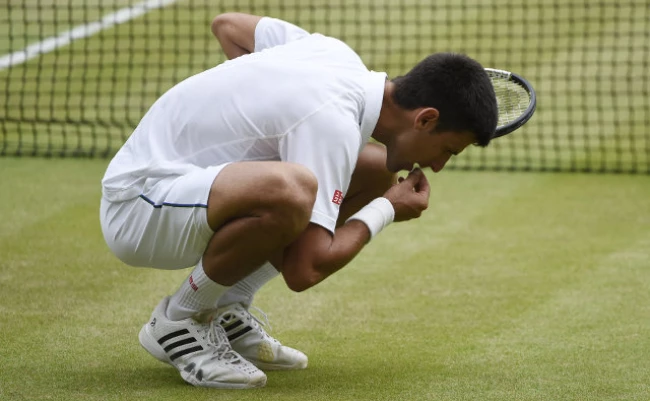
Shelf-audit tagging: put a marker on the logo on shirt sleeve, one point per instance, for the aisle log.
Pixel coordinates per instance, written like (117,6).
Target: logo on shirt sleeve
(338,197)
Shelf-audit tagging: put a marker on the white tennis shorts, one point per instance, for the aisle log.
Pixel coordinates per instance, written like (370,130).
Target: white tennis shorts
(166,227)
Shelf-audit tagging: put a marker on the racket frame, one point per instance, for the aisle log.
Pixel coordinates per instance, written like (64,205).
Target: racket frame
(527,114)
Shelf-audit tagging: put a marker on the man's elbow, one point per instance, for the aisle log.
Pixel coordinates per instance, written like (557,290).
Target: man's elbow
(301,281)
(220,24)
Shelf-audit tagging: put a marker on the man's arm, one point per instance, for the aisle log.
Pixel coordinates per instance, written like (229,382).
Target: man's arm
(317,253)
(236,33)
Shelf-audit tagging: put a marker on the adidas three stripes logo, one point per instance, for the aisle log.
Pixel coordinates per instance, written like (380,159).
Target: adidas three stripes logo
(174,343)
(234,331)
(171,343)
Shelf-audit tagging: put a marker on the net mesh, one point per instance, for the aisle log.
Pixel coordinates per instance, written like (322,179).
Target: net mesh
(77,76)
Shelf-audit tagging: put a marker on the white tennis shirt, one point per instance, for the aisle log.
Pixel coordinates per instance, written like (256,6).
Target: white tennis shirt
(300,97)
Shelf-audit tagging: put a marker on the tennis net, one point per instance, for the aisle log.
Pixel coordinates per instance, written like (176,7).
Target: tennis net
(77,76)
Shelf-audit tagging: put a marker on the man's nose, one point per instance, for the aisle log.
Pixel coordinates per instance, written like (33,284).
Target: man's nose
(439,163)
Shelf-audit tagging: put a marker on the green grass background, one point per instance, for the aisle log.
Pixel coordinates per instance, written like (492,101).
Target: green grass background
(510,287)
(513,286)
(589,62)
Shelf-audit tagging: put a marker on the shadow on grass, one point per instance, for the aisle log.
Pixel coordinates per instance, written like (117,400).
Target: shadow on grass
(321,380)
(123,378)
(371,377)
(129,374)
(97,382)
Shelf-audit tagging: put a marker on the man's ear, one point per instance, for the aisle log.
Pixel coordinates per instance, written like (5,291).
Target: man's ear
(427,119)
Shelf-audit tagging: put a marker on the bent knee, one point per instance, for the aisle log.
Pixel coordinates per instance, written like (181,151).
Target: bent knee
(296,193)
(303,183)
(290,193)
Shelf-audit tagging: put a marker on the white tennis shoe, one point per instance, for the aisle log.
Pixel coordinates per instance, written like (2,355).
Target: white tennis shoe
(200,351)
(248,337)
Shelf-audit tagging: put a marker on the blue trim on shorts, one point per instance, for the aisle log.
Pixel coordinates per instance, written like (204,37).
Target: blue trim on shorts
(152,203)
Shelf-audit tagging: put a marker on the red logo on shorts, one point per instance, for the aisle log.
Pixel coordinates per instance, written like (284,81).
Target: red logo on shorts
(338,197)
(194,287)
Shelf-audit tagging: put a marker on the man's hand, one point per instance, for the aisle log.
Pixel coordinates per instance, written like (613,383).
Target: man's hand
(410,196)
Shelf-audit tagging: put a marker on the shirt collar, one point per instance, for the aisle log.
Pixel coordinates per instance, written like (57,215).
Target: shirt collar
(374,97)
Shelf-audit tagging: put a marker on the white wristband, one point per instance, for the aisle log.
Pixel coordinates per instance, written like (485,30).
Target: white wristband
(377,214)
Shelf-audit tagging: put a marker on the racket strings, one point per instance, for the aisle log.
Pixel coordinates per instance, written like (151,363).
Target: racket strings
(516,100)
(512,99)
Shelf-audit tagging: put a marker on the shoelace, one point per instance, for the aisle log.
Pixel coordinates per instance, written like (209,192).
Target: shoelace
(262,323)
(217,336)
(266,323)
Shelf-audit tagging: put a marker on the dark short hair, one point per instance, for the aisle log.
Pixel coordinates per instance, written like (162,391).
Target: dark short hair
(458,87)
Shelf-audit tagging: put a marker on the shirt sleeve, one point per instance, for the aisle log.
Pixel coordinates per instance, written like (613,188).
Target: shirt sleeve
(328,144)
(271,32)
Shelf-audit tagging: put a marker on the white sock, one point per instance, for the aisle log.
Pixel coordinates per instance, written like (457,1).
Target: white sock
(245,289)
(197,294)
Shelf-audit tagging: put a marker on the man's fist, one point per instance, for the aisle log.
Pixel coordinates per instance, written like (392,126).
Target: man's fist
(410,196)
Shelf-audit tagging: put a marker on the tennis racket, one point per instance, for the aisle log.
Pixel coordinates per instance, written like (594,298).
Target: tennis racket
(516,100)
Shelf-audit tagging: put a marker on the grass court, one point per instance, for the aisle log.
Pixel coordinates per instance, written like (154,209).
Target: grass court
(512,286)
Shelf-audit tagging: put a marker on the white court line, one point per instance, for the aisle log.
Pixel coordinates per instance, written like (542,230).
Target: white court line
(82,31)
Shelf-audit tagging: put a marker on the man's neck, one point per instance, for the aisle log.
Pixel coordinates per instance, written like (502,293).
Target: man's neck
(388,116)
(384,128)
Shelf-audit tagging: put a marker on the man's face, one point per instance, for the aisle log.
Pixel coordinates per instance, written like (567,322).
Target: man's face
(426,149)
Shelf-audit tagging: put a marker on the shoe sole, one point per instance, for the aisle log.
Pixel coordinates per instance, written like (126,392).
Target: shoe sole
(270,366)
(150,344)
(229,386)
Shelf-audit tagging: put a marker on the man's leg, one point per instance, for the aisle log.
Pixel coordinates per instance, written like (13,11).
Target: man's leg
(244,291)
(369,180)
(254,209)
